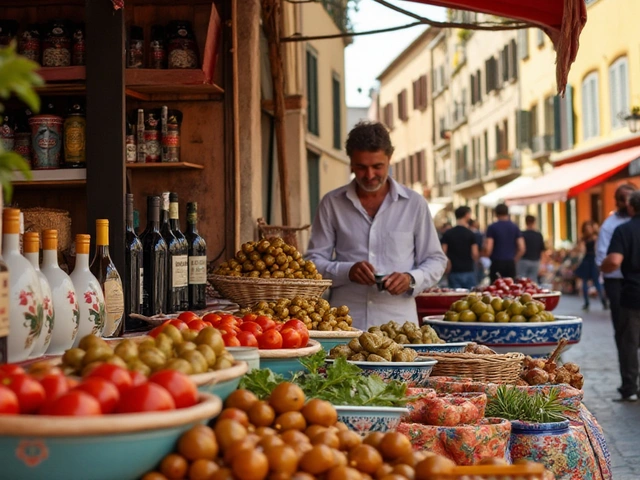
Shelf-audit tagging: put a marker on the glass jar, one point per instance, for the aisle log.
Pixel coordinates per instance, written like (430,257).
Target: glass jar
(7,131)
(79,46)
(46,141)
(29,43)
(8,31)
(171,121)
(75,136)
(182,51)
(152,135)
(56,45)
(135,54)
(130,139)
(157,48)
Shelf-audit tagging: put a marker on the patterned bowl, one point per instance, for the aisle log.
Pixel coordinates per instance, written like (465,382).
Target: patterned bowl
(550,299)
(363,420)
(328,340)
(33,447)
(287,361)
(535,339)
(454,347)
(437,303)
(412,373)
(221,382)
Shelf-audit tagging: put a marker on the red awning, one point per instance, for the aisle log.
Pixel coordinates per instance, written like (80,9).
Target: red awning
(567,181)
(563,21)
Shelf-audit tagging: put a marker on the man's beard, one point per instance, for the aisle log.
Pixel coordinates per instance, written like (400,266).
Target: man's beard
(369,189)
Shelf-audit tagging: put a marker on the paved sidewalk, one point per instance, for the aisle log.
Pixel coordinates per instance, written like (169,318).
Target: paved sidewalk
(596,354)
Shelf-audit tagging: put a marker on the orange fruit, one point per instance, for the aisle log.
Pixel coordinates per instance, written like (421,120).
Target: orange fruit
(287,397)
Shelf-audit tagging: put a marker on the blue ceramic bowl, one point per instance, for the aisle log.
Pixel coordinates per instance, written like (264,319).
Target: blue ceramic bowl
(221,382)
(286,361)
(363,420)
(414,374)
(108,447)
(328,340)
(457,347)
(535,339)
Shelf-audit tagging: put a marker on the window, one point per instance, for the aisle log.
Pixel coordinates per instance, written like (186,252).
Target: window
(420,93)
(313,172)
(491,74)
(387,115)
(486,150)
(523,44)
(313,123)
(513,60)
(337,112)
(540,37)
(590,108)
(478,86)
(504,64)
(472,83)
(619,91)
(403,112)
(534,121)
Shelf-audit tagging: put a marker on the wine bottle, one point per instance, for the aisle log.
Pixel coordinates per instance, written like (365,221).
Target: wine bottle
(105,271)
(181,261)
(154,262)
(197,260)
(134,273)
(174,254)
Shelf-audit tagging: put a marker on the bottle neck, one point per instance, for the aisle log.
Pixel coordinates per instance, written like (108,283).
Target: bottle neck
(192,222)
(82,262)
(192,227)
(50,258)
(174,224)
(153,217)
(11,243)
(102,251)
(34,259)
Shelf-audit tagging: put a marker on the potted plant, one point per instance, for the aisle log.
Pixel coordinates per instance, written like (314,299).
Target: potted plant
(503,161)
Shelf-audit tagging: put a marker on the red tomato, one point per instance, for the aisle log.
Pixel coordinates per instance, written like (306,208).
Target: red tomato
(250,317)
(179,386)
(137,378)
(197,325)
(156,331)
(117,375)
(251,327)
(11,369)
(30,393)
(72,382)
(188,317)
(211,317)
(291,338)
(230,340)
(105,392)
(229,317)
(54,385)
(265,322)
(279,327)
(74,403)
(247,339)
(270,339)
(179,324)
(228,327)
(301,328)
(8,401)
(148,397)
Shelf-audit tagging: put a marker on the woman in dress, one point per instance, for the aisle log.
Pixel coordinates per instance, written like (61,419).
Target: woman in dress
(588,270)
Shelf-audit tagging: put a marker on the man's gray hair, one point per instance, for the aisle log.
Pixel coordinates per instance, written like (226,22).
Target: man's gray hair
(634,201)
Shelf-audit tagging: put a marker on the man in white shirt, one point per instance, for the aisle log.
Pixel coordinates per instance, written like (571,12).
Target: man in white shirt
(374,237)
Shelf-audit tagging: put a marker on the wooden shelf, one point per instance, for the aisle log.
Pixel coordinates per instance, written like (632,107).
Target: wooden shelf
(69,177)
(150,84)
(63,80)
(166,166)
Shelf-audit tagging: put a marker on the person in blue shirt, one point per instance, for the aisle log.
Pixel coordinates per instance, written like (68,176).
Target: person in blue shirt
(503,244)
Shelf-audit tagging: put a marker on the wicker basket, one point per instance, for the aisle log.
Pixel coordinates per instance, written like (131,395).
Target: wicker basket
(499,368)
(247,291)
(39,219)
(288,234)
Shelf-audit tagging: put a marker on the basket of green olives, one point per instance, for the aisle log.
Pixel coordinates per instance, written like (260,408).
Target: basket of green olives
(267,270)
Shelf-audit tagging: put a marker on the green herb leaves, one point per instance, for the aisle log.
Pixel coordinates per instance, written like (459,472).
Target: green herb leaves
(514,404)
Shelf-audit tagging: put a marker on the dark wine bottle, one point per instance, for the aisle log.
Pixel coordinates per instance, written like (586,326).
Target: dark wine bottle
(181,261)
(174,253)
(197,260)
(154,263)
(134,274)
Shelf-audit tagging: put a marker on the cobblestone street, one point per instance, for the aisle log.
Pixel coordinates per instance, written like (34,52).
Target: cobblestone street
(596,355)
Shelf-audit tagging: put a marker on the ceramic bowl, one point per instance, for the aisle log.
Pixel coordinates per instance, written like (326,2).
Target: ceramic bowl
(412,373)
(535,339)
(286,361)
(328,340)
(437,303)
(363,420)
(246,354)
(454,347)
(550,299)
(124,446)
(221,382)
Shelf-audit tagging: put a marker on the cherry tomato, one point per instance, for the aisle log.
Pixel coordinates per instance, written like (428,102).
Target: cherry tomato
(148,397)
(54,385)
(197,325)
(211,317)
(188,316)
(270,339)
(291,338)
(30,393)
(251,327)
(105,392)
(11,369)
(119,376)
(230,340)
(179,386)
(247,339)
(137,378)
(301,328)
(250,317)
(265,322)
(8,401)
(74,403)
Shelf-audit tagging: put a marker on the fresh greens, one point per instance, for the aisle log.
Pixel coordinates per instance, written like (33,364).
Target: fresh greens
(512,403)
(341,384)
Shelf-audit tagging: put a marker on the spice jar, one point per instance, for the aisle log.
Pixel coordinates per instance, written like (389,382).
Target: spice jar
(130,139)
(157,48)
(75,136)
(7,132)
(171,121)
(79,46)
(8,31)
(135,54)
(46,141)
(182,48)
(22,143)
(152,136)
(29,43)
(56,45)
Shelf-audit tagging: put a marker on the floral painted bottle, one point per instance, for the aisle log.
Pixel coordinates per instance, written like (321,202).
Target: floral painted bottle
(31,248)
(90,296)
(65,303)
(26,309)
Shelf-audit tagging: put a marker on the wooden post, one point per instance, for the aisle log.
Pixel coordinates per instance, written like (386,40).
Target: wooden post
(271,10)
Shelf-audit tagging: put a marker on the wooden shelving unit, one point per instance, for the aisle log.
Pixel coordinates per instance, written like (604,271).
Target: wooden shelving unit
(68,177)
(165,166)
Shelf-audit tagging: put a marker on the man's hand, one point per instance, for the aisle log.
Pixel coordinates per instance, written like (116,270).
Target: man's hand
(397,283)
(362,273)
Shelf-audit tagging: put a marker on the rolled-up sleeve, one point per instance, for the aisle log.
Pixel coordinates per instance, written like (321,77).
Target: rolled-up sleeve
(430,260)
(604,239)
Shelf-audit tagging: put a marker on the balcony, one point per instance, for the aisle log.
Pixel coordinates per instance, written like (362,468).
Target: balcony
(441,192)
(337,10)
(459,114)
(466,177)
(542,146)
(506,164)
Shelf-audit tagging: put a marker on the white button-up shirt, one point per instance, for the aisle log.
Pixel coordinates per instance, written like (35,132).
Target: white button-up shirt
(400,238)
(604,239)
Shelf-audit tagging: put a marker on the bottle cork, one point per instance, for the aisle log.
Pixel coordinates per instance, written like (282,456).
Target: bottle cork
(83,241)
(49,239)
(11,221)
(31,242)
(102,231)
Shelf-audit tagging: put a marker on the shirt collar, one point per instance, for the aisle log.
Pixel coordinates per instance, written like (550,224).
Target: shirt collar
(395,190)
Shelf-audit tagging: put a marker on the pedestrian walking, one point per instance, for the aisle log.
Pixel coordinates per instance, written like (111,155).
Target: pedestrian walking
(479,265)
(624,254)
(529,264)
(504,244)
(374,238)
(460,245)
(588,271)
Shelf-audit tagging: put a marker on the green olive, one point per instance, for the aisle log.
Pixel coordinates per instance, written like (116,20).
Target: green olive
(73,357)
(127,350)
(115,360)
(90,366)
(138,366)
(153,358)
(223,362)
(173,333)
(208,354)
(197,361)
(185,347)
(97,353)
(146,343)
(89,341)
(189,335)
(165,345)
(180,365)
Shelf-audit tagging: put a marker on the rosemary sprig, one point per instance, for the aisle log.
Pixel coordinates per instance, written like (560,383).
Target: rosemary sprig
(511,403)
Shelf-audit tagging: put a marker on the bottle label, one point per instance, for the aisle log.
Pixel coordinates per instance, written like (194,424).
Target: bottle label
(173,211)
(180,271)
(74,140)
(141,286)
(114,302)
(4,307)
(198,270)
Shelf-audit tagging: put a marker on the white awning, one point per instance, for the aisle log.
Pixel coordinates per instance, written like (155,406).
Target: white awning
(491,199)
(435,208)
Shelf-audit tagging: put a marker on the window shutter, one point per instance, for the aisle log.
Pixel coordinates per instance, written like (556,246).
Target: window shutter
(568,113)
(623,81)
(465,156)
(414,92)
(523,128)
(557,124)
(513,60)
(540,37)
(488,70)
(424,98)
(498,140)
(472,82)
(505,64)
(523,44)
(434,80)
(479,86)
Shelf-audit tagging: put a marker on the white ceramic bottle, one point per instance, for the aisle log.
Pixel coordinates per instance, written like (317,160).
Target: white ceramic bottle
(65,302)
(90,297)
(31,248)
(25,310)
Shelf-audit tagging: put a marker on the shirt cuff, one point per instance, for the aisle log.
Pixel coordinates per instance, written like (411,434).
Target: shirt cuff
(341,273)
(418,276)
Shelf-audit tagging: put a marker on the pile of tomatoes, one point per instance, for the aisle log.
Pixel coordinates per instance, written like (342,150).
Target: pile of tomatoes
(105,389)
(251,330)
